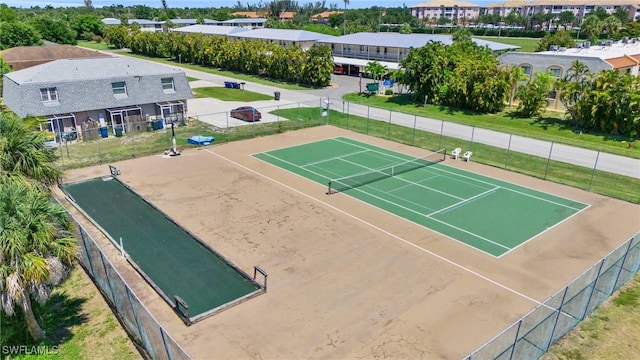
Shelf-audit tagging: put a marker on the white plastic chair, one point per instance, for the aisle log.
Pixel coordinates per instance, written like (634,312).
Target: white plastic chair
(455,153)
(467,155)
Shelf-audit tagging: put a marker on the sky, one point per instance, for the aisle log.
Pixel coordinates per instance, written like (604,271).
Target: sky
(210,3)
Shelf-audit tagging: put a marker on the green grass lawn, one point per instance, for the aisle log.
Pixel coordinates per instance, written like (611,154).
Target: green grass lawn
(79,325)
(226,94)
(551,126)
(526,44)
(95,45)
(190,79)
(231,74)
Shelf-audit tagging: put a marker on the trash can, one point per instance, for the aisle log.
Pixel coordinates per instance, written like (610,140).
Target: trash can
(160,124)
(154,125)
(118,131)
(276,95)
(103,132)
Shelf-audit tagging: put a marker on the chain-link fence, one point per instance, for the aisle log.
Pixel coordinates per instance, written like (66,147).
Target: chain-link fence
(532,335)
(138,321)
(599,172)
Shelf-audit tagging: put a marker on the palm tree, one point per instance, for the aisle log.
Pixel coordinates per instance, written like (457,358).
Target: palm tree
(36,248)
(611,26)
(344,23)
(376,70)
(22,152)
(515,75)
(592,26)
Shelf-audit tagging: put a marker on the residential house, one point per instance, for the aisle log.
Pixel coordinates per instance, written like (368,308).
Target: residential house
(323,17)
(145,25)
(286,15)
(190,22)
(454,11)
(621,56)
(355,51)
(22,57)
(250,14)
(284,37)
(122,93)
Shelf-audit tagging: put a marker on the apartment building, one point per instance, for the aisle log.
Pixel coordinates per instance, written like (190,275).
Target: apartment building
(449,9)
(452,9)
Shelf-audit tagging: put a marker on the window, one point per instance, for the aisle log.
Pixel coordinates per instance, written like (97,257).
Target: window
(49,94)
(555,72)
(167,84)
(119,88)
(527,69)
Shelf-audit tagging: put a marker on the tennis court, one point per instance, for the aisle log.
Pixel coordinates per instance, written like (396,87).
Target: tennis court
(196,281)
(490,215)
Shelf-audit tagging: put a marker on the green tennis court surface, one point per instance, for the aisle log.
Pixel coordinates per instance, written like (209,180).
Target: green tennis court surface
(173,259)
(490,215)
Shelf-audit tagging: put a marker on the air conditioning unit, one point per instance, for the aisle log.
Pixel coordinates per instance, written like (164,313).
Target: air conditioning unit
(562,49)
(587,44)
(553,48)
(625,40)
(608,43)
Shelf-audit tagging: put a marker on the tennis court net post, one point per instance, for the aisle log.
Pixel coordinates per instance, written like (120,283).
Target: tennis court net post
(373,175)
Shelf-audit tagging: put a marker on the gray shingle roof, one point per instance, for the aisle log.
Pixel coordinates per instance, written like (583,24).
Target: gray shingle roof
(405,40)
(91,69)
(210,30)
(86,84)
(284,34)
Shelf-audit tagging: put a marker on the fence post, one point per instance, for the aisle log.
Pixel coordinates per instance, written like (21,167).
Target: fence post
(473,131)
(555,324)
(506,160)
(164,341)
(441,132)
(546,170)
(415,123)
(389,129)
(368,108)
(515,340)
(135,316)
(595,283)
(593,173)
(348,106)
(624,258)
(108,278)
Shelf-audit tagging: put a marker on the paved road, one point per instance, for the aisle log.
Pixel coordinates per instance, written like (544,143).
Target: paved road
(346,84)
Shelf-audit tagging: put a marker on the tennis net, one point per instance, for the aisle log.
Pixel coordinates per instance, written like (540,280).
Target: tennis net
(369,176)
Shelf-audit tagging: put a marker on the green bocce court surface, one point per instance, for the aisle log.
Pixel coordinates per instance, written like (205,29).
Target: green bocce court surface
(488,214)
(172,258)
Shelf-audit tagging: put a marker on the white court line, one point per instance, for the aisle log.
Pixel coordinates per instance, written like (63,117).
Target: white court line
(513,190)
(464,202)
(485,182)
(293,146)
(416,182)
(333,158)
(420,248)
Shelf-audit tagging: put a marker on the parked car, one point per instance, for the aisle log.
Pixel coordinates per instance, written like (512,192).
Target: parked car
(246,113)
(339,70)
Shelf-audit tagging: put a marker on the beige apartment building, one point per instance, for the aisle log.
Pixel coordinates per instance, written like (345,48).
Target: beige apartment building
(452,9)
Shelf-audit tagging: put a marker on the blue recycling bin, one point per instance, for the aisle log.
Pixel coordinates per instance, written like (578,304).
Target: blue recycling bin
(103,132)
(160,124)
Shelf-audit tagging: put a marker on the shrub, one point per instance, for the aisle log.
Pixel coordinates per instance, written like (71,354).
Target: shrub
(388,92)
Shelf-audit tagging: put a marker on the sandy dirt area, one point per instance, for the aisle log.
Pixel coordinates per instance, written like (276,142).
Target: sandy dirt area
(348,280)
